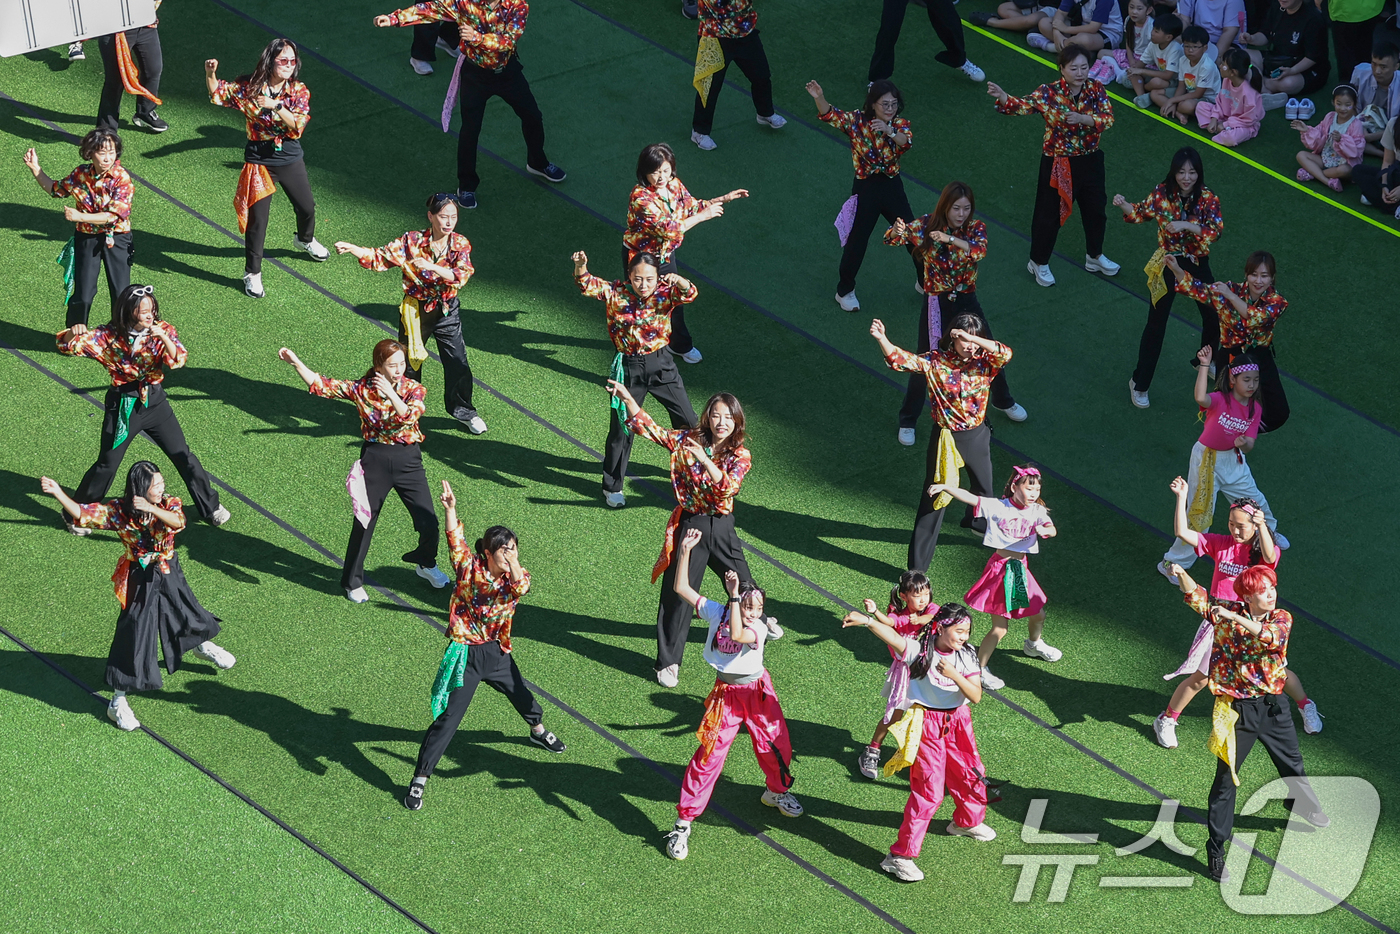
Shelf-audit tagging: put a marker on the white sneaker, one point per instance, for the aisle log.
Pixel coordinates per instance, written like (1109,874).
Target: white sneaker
(1306,108)
(1165,570)
(1275,101)
(1312,720)
(972,71)
(614,500)
(1042,274)
(785,803)
(990,681)
(1366,201)
(119,712)
(220,516)
(1037,41)
(357,595)
(775,632)
(777,121)
(848,302)
(678,841)
(703,141)
(210,652)
(1139,397)
(902,869)
(1164,727)
(1016,412)
(669,676)
(75,52)
(419,67)
(434,576)
(919,287)
(693,355)
(313,248)
(869,763)
(1101,264)
(1290,109)
(75,529)
(906,437)
(476,425)
(1040,649)
(1281,541)
(980,832)
(252,284)
(449,49)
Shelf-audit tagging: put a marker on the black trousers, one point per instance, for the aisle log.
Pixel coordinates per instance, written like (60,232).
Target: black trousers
(92,255)
(945,22)
(397,467)
(426,35)
(877,196)
(1372,182)
(950,306)
(446,329)
(295,184)
(748,54)
(478,86)
(1154,332)
(1272,399)
(975,446)
(145,52)
(1352,43)
(1268,720)
(681,341)
(157,419)
(1087,179)
(159,608)
(653,373)
(486,663)
(720,551)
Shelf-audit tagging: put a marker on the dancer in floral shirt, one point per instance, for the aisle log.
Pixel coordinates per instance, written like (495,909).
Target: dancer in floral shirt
(729,33)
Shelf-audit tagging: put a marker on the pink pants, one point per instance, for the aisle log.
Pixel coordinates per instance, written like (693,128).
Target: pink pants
(755,706)
(1231,135)
(948,760)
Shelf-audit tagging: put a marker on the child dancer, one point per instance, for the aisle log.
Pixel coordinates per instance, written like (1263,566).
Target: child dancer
(1335,145)
(879,136)
(937,741)
(910,608)
(1218,462)
(743,695)
(1238,110)
(156,603)
(490,582)
(1006,589)
(639,313)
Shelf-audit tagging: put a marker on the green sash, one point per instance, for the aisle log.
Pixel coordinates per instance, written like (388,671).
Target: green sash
(68,259)
(450,676)
(1014,580)
(618,374)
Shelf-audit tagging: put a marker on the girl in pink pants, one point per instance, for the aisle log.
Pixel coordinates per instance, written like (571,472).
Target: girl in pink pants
(742,696)
(1238,108)
(936,736)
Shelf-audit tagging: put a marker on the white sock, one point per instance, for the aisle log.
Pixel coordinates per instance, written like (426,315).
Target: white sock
(116,696)
(420,780)
(682,825)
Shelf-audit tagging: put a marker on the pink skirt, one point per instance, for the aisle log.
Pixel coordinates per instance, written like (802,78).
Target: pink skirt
(989,593)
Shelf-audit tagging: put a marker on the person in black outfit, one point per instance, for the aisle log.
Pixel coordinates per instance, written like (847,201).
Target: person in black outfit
(945,23)
(1296,61)
(144,43)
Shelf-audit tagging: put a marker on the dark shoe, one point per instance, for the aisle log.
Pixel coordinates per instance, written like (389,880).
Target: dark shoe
(466,200)
(979,19)
(414,799)
(550,173)
(690,9)
(1316,818)
(73,528)
(150,121)
(547,740)
(1216,868)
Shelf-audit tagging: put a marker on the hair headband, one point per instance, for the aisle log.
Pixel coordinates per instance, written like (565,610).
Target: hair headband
(1018,472)
(1245,508)
(1244,368)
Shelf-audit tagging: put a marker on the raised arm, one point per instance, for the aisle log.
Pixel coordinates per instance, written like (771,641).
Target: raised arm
(1203,376)
(31,160)
(52,488)
(959,494)
(814,89)
(211,76)
(305,372)
(885,634)
(683,588)
(1180,528)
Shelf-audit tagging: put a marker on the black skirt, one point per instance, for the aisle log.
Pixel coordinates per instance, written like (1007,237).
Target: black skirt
(160,606)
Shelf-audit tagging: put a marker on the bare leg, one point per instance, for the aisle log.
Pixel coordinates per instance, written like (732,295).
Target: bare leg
(1187,690)
(991,640)
(883,729)
(1037,625)
(1294,689)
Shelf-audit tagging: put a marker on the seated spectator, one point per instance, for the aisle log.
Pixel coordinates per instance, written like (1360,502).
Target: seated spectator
(1158,71)
(1335,144)
(1113,64)
(1377,92)
(1197,77)
(1223,21)
(1016,16)
(1090,24)
(1380,187)
(1295,61)
(1237,111)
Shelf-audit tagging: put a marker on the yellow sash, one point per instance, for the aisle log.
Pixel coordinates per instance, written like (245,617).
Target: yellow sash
(709,59)
(1202,510)
(412,320)
(1222,732)
(1156,284)
(908,731)
(945,470)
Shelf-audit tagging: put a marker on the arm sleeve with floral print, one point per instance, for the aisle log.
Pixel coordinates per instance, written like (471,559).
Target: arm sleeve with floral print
(431,11)
(1148,209)
(69,184)
(1276,630)
(976,238)
(230,94)
(843,120)
(1198,600)
(178,359)
(1198,291)
(673,296)
(394,253)
(999,357)
(595,287)
(913,233)
(644,425)
(104,515)
(1102,109)
(1210,219)
(902,125)
(520,586)
(328,388)
(1033,103)
(734,469)
(459,553)
(906,361)
(88,344)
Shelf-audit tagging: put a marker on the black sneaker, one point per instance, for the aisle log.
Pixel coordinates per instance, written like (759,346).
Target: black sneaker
(690,9)
(414,799)
(1217,869)
(151,121)
(547,740)
(980,18)
(550,173)
(1317,819)
(466,200)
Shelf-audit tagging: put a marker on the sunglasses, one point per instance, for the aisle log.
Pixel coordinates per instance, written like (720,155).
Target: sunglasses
(441,198)
(285,61)
(142,290)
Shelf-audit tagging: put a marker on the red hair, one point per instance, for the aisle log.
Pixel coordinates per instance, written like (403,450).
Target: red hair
(1255,579)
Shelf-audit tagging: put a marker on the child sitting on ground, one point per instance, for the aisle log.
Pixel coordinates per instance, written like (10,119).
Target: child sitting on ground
(1197,78)
(1158,69)
(1334,145)
(1113,64)
(1238,109)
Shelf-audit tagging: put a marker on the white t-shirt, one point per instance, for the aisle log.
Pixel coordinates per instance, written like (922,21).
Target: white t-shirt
(1010,527)
(736,662)
(1142,41)
(1203,74)
(1162,59)
(933,690)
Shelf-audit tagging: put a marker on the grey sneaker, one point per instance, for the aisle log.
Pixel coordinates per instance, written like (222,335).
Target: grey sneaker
(785,803)
(902,869)
(869,762)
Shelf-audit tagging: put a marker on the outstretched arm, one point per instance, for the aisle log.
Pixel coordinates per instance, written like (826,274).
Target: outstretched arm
(52,488)
(683,588)
(31,160)
(958,493)
(305,372)
(1179,525)
(885,634)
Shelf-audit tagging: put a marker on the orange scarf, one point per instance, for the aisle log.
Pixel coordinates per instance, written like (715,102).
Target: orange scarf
(254,184)
(1061,181)
(126,67)
(708,733)
(668,545)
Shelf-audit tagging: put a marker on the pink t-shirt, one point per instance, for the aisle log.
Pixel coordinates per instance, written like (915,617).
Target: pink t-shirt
(904,622)
(1231,559)
(1227,419)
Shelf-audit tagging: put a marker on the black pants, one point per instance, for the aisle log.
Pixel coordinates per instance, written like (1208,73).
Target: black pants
(486,663)
(295,184)
(945,22)
(1272,399)
(425,36)
(1087,180)
(950,306)
(157,419)
(478,86)
(145,52)
(397,467)
(446,329)
(1372,182)
(719,550)
(975,446)
(159,608)
(1154,332)
(1352,43)
(91,254)
(681,341)
(1268,720)
(653,373)
(877,196)
(748,54)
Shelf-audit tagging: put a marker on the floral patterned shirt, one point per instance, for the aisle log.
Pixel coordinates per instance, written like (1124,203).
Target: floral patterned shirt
(1242,665)
(379,422)
(872,152)
(957,388)
(423,284)
(1054,103)
(947,268)
(98,194)
(501,24)
(727,19)
(1164,208)
(482,607)
(265,125)
(654,218)
(1255,328)
(145,537)
(142,360)
(637,325)
(695,491)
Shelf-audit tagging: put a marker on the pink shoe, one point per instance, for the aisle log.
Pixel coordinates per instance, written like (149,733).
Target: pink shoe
(1334,183)
(1304,175)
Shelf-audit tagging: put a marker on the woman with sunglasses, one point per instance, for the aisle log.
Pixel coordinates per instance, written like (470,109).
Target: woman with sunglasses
(436,263)
(277,107)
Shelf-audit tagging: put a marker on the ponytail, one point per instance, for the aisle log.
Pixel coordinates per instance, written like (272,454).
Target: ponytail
(1256,80)
(950,614)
